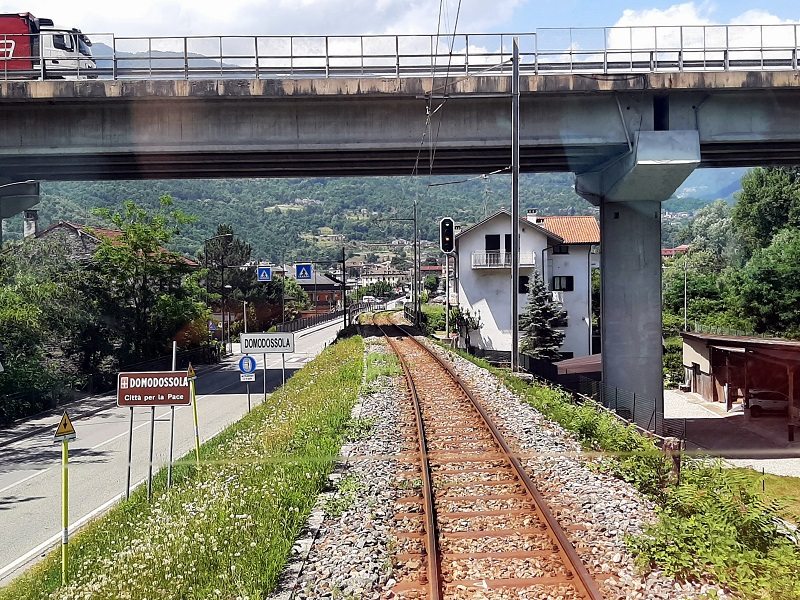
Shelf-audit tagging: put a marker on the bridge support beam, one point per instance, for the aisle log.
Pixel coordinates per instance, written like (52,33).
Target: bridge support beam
(15,198)
(629,193)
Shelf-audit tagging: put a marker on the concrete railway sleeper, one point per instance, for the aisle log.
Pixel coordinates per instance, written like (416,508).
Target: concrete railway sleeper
(475,526)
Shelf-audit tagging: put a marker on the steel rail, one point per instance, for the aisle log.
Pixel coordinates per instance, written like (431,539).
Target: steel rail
(585,583)
(433,553)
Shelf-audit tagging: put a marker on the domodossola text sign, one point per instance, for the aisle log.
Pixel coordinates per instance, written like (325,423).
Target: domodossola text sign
(267,343)
(153,388)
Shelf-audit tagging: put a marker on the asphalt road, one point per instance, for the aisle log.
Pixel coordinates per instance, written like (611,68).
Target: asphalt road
(30,468)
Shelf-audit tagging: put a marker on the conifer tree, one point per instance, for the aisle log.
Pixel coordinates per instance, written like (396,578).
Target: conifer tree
(539,337)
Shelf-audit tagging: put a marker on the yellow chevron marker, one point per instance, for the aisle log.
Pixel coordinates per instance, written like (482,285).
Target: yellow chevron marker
(190,373)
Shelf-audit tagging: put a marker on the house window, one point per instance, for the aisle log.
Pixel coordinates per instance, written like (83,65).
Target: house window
(561,249)
(523,284)
(493,243)
(563,283)
(508,242)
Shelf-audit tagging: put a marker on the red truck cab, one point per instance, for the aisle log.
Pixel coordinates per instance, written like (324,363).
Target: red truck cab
(32,48)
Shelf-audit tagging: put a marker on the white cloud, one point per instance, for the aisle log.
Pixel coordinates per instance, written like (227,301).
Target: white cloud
(687,13)
(760,17)
(693,26)
(267,17)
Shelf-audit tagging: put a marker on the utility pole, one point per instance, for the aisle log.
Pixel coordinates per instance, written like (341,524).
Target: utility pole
(685,273)
(515,207)
(416,299)
(344,288)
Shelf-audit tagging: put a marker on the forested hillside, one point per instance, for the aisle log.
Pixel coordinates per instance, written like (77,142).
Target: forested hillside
(282,218)
(285,219)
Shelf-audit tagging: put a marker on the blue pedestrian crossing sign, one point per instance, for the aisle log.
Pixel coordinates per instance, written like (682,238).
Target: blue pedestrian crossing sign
(264,273)
(247,364)
(303,272)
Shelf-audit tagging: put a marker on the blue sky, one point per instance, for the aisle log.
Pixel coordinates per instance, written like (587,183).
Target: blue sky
(580,13)
(340,17)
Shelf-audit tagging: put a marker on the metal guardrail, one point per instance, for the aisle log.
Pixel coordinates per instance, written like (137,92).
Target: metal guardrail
(601,50)
(305,322)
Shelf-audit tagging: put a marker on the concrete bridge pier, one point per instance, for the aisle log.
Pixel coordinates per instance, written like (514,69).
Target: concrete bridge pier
(629,192)
(15,198)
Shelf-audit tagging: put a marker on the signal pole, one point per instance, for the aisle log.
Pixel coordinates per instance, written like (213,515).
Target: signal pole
(515,207)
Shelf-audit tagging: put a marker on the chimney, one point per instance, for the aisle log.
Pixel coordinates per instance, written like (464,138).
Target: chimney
(30,223)
(533,216)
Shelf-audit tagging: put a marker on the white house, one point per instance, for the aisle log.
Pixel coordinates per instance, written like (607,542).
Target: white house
(559,247)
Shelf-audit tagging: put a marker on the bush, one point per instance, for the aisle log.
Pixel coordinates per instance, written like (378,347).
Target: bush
(673,361)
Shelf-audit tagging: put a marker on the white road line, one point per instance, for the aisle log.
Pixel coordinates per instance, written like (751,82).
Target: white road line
(25,558)
(24,479)
(22,560)
(108,441)
(9,568)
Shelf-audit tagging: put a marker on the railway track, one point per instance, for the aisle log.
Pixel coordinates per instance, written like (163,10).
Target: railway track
(474,525)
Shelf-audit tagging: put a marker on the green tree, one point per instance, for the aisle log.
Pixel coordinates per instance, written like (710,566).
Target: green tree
(539,336)
(704,287)
(146,292)
(224,251)
(711,231)
(42,317)
(431,283)
(769,285)
(768,202)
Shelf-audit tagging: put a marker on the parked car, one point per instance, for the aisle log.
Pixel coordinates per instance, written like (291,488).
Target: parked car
(767,400)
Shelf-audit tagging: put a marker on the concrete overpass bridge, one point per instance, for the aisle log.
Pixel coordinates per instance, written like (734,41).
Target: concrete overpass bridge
(631,120)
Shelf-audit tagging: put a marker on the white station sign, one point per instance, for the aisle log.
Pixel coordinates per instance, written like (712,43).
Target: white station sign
(267,343)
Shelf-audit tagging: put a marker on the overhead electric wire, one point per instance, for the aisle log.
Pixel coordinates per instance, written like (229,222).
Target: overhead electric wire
(435,139)
(481,176)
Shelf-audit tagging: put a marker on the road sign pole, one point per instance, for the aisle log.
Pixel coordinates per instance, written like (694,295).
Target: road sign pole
(130,458)
(64,509)
(265,377)
(248,397)
(196,424)
(172,420)
(150,460)
(283,368)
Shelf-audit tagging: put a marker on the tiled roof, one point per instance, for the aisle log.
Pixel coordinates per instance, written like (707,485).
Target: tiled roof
(523,221)
(574,229)
(112,234)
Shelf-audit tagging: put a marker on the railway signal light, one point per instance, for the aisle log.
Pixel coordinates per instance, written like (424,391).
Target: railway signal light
(447,238)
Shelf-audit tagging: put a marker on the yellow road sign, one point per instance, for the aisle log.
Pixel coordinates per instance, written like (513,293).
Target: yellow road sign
(190,372)
(65,430)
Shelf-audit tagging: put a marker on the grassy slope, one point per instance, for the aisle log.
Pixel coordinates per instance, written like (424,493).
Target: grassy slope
(225,530)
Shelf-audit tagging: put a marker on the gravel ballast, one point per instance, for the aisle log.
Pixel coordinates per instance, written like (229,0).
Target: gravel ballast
(351,553)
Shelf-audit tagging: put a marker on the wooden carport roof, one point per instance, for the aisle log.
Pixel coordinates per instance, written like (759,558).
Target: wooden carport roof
(777,351)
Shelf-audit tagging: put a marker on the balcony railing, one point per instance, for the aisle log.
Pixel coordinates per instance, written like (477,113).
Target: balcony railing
(501,260)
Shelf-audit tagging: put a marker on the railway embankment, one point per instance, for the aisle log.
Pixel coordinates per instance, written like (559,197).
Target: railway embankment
(640,532)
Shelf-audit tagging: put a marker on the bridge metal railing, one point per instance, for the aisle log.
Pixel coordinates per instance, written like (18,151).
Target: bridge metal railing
(601,50)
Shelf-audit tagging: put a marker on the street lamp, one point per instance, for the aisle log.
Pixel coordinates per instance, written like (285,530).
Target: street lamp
(205,254)
(225,311)
(245,315)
